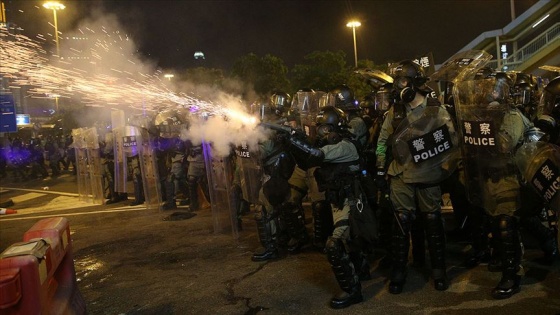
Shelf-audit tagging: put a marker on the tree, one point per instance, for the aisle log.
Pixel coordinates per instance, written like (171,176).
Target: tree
(321,71)
(263,74)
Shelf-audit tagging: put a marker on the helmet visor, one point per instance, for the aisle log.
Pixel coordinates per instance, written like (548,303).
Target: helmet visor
(382,100)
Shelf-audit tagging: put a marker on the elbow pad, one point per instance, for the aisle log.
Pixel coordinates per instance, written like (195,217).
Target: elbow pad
(305,154)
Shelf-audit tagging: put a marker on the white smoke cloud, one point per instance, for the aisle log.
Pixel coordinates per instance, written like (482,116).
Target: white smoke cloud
(101,67)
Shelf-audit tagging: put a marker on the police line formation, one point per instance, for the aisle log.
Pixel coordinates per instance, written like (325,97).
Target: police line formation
(374,170)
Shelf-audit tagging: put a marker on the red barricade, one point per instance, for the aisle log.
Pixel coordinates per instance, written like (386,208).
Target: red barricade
(37,276)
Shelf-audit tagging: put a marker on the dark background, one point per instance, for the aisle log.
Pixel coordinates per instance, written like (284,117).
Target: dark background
(169,32)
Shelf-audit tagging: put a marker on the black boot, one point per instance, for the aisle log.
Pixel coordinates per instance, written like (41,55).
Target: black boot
(480,249)
(436,245)
(345,274)
(193,193)
(236,195)
(322,223)
(385,219)
(111,195)
(551,252)
(418,241)
(270,252)
(400,244)
(266,228)
(295,223)
(138,192)
(170,202)
(547,238)
(361,265)
(507,239)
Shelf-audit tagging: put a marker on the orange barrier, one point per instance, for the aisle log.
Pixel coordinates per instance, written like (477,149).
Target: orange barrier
(7,211)
(37,276)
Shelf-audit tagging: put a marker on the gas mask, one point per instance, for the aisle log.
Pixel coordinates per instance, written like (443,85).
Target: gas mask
(327,135)
(405,89)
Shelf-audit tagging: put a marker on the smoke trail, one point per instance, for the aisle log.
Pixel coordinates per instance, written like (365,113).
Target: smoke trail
(101,68)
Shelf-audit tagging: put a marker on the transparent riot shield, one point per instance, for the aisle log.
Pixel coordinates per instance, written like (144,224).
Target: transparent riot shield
(88,164)
(427,147)
(121,166)
(82,171)
(487,147)
(461,65)
(135,141)
(219,171)
(250,173)
(94,165)
(306,103)
(539,163)
(150,177)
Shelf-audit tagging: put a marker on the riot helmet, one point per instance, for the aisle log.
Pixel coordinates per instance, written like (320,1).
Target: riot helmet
(408,79)
(368,103)
(170,123)
(140,121)
(342,97)
(550,100)
(377,103)
(280,102)
(526,93)
(502,87)
(549,109)
(385,97)
(331,123)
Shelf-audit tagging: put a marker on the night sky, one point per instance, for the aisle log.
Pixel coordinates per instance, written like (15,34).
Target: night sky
(169,32)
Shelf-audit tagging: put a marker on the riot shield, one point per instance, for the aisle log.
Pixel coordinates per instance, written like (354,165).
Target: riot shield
(250,173)
(82,172)
(427,147)
(306,103)
(136,141)
(487,146)
(539,163)
(121,166)
(88,164)
(94,165)
(150,176)
(219,170)
(460,65)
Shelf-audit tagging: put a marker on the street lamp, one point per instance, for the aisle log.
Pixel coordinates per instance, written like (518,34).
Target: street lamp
(353,25)
(168,76)
(54,6)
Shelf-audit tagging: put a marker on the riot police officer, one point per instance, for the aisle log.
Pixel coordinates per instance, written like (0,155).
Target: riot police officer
(292,210)
(493,128)
(414,173)
(107,154)
(343,98)
(170,125)
(375,106)
(526,97)
(338,175)
(196,174)
(304,109)
(278,166)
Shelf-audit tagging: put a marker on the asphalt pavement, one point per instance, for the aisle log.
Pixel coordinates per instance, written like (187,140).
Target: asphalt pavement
(130,260)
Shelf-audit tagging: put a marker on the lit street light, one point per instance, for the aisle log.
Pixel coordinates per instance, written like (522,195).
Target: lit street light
(168,76)
(54,6)
(353,25)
